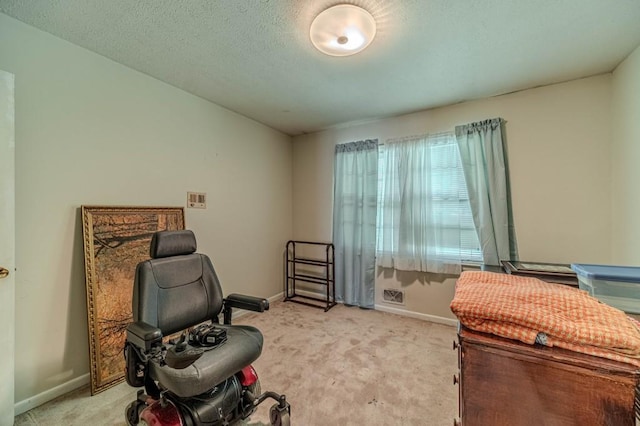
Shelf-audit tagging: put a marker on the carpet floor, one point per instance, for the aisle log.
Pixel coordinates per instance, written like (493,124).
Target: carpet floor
(348,366)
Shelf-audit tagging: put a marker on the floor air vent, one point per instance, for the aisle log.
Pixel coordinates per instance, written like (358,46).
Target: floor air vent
(390,295)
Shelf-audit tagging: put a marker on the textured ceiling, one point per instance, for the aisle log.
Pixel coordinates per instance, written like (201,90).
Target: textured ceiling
(254,56)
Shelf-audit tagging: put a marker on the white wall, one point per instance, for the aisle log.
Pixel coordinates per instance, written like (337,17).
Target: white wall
(91,131)
(559,153)
(626,158)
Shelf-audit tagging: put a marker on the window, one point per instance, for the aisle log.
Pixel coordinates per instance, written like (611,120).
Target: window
(424,217)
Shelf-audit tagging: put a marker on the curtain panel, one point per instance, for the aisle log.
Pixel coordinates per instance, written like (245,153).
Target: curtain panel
(423,201)
(354,221)
(482,148)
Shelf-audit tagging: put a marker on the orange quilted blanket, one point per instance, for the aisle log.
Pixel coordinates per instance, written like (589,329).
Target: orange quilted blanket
(524,309)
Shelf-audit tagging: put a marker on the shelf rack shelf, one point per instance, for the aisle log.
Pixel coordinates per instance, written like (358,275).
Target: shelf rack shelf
(322,272)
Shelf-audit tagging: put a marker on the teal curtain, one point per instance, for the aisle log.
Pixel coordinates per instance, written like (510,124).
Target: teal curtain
(482,148)
(354,221)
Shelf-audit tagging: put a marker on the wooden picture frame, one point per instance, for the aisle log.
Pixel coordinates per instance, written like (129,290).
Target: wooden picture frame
(115,240)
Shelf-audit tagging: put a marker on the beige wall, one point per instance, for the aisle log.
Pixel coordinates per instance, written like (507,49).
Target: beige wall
(558,142)
(91,131)
(626,161)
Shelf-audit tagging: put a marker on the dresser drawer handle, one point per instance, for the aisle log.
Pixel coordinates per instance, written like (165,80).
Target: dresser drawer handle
(456,422)
(456,379)
(455,345)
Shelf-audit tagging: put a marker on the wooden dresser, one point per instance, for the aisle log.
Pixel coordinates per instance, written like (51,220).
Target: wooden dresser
(503,382)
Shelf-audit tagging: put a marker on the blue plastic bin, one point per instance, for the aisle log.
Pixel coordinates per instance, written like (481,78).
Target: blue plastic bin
(618,286)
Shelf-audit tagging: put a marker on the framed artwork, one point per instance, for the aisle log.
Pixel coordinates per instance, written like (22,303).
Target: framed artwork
(116,239)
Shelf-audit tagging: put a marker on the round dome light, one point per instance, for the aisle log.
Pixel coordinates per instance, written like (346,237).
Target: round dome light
(342,30)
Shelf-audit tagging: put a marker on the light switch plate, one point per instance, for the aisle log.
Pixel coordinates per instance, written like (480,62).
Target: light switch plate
(197,200)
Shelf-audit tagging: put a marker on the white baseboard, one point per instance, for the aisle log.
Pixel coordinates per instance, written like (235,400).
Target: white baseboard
(417,315)
(46,396)
(424,317)
(310,293)
(277,297)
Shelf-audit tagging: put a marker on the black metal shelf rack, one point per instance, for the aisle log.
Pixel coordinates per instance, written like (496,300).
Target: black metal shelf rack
(322,273)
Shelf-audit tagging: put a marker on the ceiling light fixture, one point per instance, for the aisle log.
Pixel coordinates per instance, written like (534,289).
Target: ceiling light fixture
(342,30)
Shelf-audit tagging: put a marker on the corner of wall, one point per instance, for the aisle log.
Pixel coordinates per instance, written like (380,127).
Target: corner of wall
(625,142)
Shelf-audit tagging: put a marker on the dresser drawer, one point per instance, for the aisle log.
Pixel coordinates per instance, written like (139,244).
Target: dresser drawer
(503,382)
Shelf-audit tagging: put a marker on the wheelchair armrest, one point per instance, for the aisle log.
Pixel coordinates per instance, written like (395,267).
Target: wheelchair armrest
(241,301)
(143,335)
(248,303)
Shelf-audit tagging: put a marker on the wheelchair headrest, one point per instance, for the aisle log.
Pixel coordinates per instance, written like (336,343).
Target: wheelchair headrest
(172,243)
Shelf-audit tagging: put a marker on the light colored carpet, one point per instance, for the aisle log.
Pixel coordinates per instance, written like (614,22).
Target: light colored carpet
(348,366)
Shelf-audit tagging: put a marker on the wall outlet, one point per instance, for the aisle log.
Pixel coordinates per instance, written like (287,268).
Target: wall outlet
(197,200)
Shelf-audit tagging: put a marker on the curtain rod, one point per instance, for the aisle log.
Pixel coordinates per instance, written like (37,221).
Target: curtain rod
(419,136)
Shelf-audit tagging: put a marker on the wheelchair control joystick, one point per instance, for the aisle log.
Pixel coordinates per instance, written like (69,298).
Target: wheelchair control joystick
(182,344)
(181,355)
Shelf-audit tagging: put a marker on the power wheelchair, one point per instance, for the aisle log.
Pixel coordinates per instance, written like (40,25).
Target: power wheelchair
(202,376)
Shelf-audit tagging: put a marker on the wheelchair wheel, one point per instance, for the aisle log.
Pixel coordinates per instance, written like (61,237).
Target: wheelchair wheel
(248,408)
(279,417)
(131,414)
(255,388)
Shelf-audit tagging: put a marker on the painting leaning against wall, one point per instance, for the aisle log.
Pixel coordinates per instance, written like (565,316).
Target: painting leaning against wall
(116,239)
